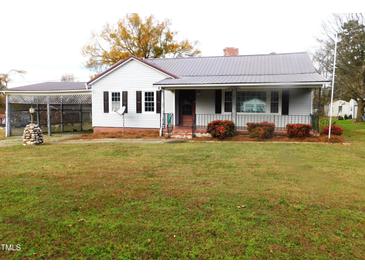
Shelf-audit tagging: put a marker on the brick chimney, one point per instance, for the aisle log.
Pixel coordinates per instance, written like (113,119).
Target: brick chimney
(230,51)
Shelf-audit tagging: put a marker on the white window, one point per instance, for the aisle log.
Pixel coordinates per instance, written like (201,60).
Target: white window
(115,101)
(149,101)
(251,102)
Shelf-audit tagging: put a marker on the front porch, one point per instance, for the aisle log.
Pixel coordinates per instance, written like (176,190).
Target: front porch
(193,110)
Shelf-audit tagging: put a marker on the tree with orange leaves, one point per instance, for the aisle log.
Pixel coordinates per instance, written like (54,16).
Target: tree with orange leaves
(135,36)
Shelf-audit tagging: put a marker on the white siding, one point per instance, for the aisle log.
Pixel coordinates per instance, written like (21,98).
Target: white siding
(169,101)
(205,102)
(130,77)
(300,102)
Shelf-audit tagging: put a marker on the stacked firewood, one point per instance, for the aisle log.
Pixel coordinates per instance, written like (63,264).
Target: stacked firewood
(32,135)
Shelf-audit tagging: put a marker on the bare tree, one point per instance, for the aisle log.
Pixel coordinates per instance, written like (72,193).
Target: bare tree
(350,67)
(5,78)
(68,77)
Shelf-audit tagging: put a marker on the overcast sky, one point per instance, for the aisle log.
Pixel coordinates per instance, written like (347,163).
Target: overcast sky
(45,38)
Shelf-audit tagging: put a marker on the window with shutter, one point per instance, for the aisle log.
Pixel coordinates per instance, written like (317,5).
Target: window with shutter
(115,101)
(149,101)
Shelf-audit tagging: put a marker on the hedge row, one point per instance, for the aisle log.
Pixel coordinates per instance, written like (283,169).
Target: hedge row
(225,128)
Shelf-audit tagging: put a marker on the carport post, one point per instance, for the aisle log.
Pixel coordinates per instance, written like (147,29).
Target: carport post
(38,115)
(81,128)
(7,116)
(61,118)
(48,117)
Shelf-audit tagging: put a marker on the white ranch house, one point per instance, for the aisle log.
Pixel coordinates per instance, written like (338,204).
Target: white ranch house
(185,94)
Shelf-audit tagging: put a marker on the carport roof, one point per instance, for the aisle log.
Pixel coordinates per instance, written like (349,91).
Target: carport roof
(52,87)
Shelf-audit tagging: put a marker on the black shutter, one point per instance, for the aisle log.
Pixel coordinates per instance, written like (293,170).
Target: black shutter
(285,103)
(106,102)
(125,100)
(158,101)
(139,101)
(218,101)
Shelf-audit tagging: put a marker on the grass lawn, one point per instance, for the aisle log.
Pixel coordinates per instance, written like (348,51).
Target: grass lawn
(220,200)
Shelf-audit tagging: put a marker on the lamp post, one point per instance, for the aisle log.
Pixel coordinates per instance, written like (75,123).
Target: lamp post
(31,111)
(332,88)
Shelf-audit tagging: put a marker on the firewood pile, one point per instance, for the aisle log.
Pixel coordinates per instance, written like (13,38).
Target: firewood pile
(32,135)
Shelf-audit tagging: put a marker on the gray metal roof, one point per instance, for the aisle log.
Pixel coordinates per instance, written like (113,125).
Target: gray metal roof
(267,68)
(254,79)
(52,86)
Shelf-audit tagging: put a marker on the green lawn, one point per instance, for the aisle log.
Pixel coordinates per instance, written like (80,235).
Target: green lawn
(220,200)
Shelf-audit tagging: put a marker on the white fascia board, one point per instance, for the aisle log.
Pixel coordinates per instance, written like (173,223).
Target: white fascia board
(304,84)
(49,92)
(122,64)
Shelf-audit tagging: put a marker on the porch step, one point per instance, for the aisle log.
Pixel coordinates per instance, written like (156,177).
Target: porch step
(182,133)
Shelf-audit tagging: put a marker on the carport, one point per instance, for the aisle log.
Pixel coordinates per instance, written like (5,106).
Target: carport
(59,107)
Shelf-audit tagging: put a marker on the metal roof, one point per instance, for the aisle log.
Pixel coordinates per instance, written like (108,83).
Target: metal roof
(245,79)
(263,68)
(51,86)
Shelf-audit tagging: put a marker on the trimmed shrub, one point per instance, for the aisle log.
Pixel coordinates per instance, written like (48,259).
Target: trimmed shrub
(298,130)
(335,130)
(263,130)
(221,129)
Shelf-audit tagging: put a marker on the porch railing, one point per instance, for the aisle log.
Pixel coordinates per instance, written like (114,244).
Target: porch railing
(241,120)
(167,123)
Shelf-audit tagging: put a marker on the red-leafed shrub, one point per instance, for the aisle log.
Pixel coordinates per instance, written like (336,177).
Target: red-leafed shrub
(298,130)
(263,130)
(221,129)
(335,130)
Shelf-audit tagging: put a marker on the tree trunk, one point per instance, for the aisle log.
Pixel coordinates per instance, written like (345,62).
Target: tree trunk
(360,110)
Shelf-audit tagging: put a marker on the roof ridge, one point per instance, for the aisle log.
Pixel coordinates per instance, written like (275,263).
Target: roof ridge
(261,74)
(220,56)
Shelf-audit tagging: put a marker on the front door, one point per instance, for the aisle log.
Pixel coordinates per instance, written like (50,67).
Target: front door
(186,107)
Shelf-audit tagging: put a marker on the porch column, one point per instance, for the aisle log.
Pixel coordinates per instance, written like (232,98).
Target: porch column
(61,118)
(48,117)
(234,104)
(7,116)
(162,111)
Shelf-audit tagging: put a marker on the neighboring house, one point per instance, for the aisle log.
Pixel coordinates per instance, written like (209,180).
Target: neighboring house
(342,108)
(193,91)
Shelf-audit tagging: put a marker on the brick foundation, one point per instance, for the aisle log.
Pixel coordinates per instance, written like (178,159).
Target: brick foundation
(126,132)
